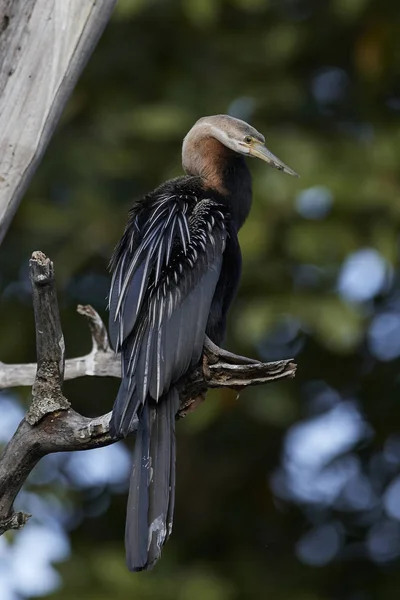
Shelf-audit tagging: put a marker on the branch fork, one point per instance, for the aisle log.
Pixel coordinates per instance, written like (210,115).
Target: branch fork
(51,425)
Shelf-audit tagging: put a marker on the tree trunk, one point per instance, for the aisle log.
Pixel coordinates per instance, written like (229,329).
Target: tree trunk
(44,45)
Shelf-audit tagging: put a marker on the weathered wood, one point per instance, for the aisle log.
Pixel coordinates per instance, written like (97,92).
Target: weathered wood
(100,362)
(60,431)
(44,45)
(47,396)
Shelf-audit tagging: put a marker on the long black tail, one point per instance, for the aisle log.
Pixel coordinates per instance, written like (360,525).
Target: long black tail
(152,485)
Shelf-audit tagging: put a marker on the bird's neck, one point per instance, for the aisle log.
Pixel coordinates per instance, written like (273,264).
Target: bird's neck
(224,172)
(237,189)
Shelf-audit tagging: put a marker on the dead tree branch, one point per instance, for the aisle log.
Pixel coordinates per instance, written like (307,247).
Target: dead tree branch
(51,425)
(101,360)
(47,396)
(44,46)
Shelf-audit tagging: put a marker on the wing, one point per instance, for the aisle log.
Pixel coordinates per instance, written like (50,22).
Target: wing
(162,288)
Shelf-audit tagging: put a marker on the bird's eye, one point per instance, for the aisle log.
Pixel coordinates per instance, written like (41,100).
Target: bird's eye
(248,139)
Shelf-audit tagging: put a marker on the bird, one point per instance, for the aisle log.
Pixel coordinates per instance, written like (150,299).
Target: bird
(175,272)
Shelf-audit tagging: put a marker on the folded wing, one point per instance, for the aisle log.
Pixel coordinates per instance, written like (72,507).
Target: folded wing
(163,284)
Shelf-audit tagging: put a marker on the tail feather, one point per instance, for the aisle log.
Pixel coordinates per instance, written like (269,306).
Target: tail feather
(152,485)
(171,503)
(124,413)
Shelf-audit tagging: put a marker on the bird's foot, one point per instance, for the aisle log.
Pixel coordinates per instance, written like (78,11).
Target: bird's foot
(214,353)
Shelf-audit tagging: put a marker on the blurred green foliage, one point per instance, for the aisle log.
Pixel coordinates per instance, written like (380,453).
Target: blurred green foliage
(321,80)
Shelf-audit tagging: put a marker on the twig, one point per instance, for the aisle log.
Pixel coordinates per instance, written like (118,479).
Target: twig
(52,426)
(100,362)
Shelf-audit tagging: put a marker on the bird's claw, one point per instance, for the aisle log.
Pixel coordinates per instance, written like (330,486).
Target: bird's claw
(214,353)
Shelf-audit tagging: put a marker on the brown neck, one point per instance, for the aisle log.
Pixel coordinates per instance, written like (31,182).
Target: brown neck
(220,169)
(207,158)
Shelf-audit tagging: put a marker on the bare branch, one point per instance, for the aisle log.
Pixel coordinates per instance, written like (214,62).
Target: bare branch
(47,396)
(96,326)
(52,426)
(56,432)
(16,521)
(100,362)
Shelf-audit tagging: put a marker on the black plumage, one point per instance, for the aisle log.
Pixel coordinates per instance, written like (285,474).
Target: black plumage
(175,273)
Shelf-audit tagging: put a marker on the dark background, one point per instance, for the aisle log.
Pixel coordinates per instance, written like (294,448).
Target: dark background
(291,492)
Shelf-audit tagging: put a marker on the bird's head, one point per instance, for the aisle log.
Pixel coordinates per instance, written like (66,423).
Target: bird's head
(236,135)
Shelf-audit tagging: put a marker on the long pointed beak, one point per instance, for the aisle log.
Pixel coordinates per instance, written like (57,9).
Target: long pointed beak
(258,150)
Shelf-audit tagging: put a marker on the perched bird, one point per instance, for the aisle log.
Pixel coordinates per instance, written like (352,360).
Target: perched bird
(175,272)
